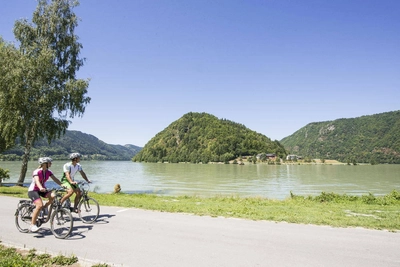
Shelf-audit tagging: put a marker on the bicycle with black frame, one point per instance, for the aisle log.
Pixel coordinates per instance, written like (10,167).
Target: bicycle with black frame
(88,207)
(61,220)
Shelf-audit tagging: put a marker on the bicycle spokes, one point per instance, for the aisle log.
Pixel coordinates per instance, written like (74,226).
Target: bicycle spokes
(61,223)
(89,210)
(87,206)
(23,217)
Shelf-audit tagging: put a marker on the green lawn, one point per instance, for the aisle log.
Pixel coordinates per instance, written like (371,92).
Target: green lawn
(368,211)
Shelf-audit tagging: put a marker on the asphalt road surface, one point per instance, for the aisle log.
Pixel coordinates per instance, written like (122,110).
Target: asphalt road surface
(134,237)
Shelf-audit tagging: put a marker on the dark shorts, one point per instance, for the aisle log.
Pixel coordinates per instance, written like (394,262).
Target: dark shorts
(35,195)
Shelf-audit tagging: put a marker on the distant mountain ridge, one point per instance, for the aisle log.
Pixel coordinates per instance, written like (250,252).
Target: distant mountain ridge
(202,137)
(75,141)
(368,139)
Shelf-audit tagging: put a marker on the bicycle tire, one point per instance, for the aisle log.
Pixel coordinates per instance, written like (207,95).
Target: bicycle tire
(61,223)
(88,210)
(23,218)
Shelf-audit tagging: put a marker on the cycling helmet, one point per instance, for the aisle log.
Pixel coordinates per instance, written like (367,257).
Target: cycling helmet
(49,159)
(74,156)
(43,160)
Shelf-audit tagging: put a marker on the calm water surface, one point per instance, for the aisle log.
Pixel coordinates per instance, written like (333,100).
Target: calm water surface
(219,179)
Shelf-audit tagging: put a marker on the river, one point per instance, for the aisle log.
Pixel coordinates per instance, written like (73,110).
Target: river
(270,181)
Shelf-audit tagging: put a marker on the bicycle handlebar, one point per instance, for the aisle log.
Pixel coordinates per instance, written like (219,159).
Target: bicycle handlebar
(81,185)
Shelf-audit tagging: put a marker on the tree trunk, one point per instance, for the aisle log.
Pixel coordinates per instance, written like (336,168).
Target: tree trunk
(24,168)
(25,157)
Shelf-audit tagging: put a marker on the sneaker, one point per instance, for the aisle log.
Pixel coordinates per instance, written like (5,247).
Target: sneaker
(33,228)
(74,210)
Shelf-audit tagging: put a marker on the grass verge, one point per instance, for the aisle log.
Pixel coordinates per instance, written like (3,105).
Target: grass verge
(367,211)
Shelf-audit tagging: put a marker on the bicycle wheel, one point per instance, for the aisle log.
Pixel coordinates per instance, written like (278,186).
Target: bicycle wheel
(61,222)
(88,210)
(23,218)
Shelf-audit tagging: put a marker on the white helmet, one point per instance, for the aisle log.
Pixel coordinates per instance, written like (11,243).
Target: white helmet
(44,160)
(74,155)
(49,159)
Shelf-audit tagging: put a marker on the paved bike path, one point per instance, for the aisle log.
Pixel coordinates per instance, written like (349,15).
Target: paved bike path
(134,237)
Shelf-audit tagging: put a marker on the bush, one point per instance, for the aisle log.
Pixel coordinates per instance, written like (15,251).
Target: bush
(4,174)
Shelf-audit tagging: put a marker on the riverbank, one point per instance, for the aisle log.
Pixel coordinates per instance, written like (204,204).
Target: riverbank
(367,211)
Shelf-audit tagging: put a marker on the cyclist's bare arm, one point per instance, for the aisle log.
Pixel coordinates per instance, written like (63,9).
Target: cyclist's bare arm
(85,177)
(55,179)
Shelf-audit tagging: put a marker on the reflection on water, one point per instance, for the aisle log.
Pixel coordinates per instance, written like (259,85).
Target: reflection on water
(223,179)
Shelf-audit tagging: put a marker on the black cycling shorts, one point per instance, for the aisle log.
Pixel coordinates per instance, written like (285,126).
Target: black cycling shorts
(35,195)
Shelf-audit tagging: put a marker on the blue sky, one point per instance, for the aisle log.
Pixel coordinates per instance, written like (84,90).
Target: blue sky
(274,66)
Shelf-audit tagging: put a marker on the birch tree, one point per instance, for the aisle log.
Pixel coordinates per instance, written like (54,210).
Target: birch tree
(39,90)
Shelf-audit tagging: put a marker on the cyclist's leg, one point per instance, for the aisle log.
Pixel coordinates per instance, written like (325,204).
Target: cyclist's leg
(78,195)
(70,191)
(35,197)
(48,203)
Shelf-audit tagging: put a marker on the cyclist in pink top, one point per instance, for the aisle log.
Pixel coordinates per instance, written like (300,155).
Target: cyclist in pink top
(37,189)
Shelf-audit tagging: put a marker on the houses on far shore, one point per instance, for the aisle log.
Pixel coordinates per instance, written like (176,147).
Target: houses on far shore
(272,156)
(293,157)
(266,156)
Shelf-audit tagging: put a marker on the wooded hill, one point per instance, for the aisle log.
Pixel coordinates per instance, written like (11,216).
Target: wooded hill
(74,141)
(367,139)
(201,137)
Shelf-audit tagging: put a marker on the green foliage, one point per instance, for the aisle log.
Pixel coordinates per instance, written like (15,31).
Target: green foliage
(12,257)
(4,174)
(88,145)
(201,137)
(39,90)
(11,72)
(370,199)
(3,143)
(61,260)
(368,139)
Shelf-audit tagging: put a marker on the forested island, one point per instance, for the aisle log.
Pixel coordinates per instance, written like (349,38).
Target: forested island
(203,138)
